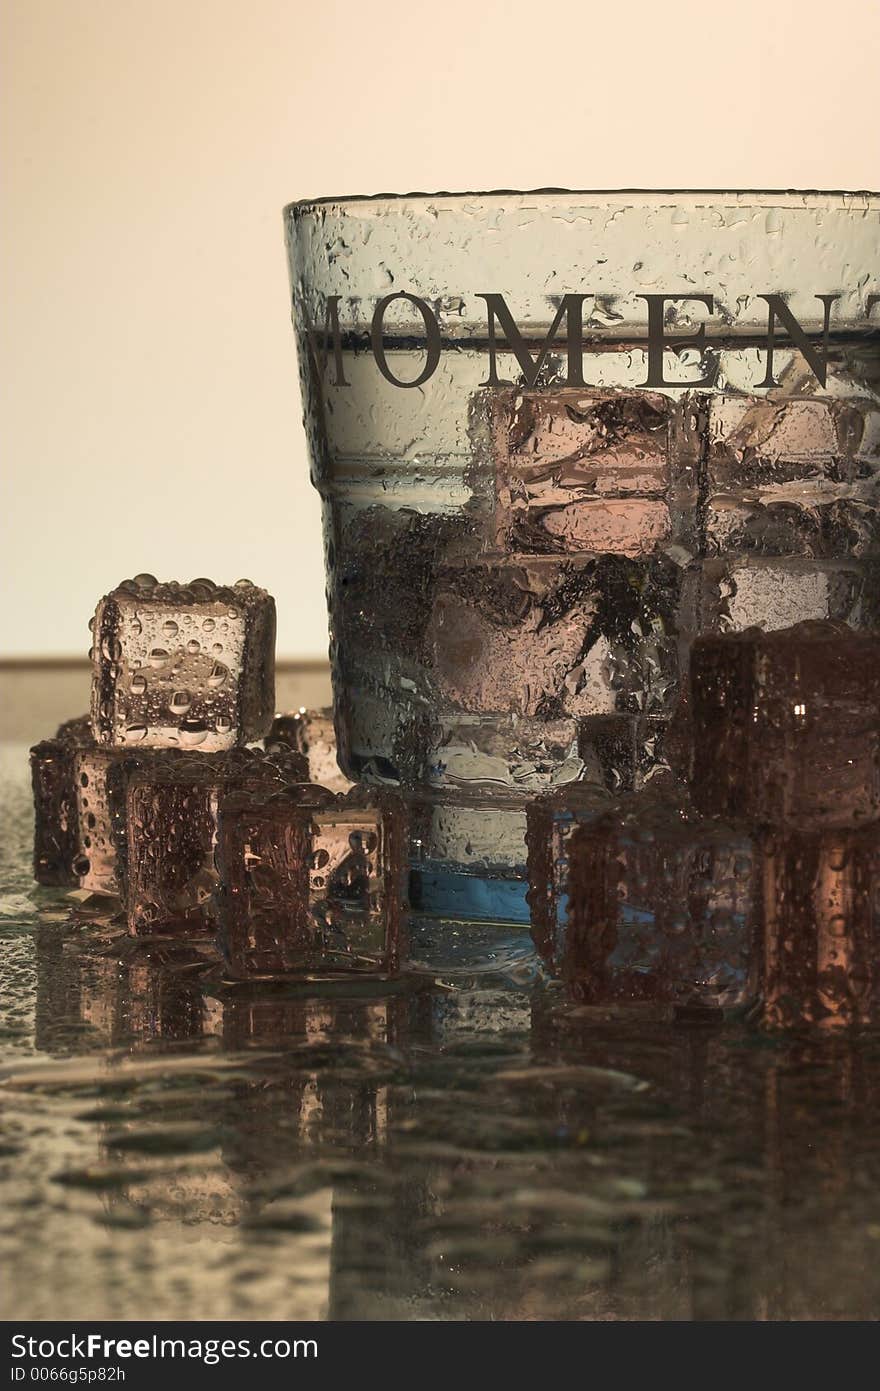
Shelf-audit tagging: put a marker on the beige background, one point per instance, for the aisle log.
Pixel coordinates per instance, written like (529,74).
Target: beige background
(151,414)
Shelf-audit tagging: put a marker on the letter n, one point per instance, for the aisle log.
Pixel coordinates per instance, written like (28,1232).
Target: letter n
(779,310)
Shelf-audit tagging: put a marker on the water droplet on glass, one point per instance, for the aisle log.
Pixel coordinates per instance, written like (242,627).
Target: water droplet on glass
(145,581)
(134,733)
(159,656)
(138,685)
(193,646)
(193,732)
(170,628)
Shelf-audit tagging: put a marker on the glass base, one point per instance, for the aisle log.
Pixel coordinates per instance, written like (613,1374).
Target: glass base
(452,948)
(440,891)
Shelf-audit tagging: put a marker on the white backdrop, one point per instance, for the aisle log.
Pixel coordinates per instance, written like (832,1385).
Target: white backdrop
(151,412)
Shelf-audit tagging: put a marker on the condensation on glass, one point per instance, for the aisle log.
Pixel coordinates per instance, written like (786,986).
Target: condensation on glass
(522,546)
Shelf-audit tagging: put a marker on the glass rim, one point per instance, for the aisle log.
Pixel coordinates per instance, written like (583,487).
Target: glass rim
(790,197)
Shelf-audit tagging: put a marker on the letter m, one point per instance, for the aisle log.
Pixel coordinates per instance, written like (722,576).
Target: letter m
(570,309)
(319,343)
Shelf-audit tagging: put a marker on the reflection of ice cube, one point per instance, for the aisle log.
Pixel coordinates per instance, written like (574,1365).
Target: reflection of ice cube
(817,953)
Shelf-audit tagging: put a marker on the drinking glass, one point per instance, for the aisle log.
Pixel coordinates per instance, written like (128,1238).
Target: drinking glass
(556,435)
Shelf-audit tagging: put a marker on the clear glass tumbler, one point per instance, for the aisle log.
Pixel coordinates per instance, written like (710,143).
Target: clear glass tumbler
(557,435)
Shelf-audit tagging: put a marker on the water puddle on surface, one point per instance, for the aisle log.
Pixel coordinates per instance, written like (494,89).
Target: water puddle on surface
(170,1149)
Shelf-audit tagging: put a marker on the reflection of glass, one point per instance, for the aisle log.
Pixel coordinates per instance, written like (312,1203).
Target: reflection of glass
(375,1151)
(557,435)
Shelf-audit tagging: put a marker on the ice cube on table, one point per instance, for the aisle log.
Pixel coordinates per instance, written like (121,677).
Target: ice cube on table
(183,665)
(311,881)
(311,733)
(817,957)
(171,826)
(79,800)
(55,822)
(786,725)
(644,902)
(550,821)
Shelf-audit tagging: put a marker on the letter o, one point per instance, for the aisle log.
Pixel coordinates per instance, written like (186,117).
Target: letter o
(432,332)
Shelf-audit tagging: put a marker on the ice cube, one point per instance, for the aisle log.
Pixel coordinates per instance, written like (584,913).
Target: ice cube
(312,881)
(55,830)
(792,476)
(504,639)
(623,753)
(379,610)
(786,725)
(549,638)
(644,902)
(311,732)
(171,815)
(79,798)
(744,592)
(818,944)
(765,441)
(582,472)
(508,751)
(190,666)
(550,821)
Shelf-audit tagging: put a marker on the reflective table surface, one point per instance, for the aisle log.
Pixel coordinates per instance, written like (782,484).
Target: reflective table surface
(172,1148)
